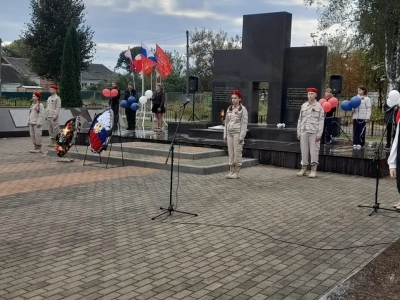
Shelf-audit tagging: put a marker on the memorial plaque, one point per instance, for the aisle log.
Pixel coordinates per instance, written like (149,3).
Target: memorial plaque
(295,97)
(221,99)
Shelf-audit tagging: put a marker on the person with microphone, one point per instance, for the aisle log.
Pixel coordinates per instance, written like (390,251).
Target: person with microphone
(234,133)
(392,160)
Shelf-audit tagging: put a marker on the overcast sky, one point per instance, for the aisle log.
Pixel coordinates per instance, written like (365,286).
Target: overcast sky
(121,23)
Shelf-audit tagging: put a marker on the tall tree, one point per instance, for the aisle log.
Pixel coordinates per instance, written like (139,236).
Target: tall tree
(376,28)
(203,44)
(15,49)
(69,91)
(77,57)
(45,35)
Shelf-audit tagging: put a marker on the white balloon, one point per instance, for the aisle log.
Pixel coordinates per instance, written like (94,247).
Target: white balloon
(390,102)
(394,96)
(143,100)
(148,94)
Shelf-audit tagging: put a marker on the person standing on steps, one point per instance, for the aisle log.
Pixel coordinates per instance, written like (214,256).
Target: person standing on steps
(326,137)
(130,114)
(35,121)
(390,124)
(310,126)
(114,104)
(158,106)
(234,133)
(53,109)
(361,116)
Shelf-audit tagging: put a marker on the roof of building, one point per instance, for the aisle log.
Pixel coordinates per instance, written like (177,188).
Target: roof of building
(9,75)
(97,72)
(21,65)
(94,72)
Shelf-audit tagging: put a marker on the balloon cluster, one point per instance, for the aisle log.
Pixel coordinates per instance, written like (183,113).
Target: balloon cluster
(132,101)
(348,105)
(394,98)
(110,93)
(327,105)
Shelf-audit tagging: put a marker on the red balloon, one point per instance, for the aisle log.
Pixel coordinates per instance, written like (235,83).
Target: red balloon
(107,93)
(322,101)
(327,106)
(114,93)
(334,102)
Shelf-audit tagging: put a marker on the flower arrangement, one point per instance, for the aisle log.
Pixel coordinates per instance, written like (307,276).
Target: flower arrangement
(281,125)
(100,131)
(66,138)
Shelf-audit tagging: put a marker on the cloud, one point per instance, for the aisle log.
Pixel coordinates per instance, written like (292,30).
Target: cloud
(285,2)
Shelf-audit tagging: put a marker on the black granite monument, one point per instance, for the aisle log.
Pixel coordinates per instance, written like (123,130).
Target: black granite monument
(266,56)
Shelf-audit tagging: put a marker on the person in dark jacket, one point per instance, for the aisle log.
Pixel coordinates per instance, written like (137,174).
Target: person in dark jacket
(390,122)
(130,114)
(326,137)
(158,106)
(114,103)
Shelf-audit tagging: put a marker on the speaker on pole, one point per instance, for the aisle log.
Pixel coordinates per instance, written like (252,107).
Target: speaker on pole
(335,83)
(193,84)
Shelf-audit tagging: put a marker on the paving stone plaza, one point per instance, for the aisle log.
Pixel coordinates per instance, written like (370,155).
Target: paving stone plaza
(70,231)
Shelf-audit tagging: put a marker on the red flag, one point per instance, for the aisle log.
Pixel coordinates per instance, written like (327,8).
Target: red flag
(142,64)
(164,67)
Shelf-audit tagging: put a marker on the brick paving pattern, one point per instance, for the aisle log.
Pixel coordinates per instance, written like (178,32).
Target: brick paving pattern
(69,231)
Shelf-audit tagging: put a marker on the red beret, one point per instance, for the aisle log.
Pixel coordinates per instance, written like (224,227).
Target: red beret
(37,94)
(312,90)
(237,93)
(53,86)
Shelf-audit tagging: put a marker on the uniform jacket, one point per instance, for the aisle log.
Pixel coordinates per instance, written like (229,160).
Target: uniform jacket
(53,106)
(311,119)
(35,116)
(236,121)
(363,112)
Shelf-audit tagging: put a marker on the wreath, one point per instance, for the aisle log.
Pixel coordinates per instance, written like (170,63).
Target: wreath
(66,138)
(101,130)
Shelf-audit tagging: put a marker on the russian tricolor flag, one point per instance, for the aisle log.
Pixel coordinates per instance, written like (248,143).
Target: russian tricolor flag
(146,52)
(145,61)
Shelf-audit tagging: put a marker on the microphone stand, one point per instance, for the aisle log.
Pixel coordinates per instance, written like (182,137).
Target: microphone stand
(171,208)
(376,205)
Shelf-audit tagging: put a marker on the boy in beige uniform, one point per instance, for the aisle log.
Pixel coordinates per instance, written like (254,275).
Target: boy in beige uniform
(52,113)
(310,126)
(35,121)
(234,133)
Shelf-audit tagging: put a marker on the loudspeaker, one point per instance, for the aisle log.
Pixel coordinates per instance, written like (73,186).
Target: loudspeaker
(335,83)
(193,84)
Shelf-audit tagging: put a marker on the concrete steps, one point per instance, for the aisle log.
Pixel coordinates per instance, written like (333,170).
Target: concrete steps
(195,160)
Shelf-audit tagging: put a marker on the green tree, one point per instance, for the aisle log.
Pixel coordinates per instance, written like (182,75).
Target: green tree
(376,28)
(77,57)
(45,35)
(203,43)
(69,91)
(16,49)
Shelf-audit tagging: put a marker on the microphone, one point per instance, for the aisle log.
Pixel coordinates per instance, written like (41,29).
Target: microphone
(392,108)
(184,104)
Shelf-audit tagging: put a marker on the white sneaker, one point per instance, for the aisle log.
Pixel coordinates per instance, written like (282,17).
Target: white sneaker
(358,146)
(354,146)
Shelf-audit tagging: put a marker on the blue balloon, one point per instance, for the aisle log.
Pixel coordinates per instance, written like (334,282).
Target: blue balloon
(124,104)
(355,102)
(135,106)
(131,100)
(345,105)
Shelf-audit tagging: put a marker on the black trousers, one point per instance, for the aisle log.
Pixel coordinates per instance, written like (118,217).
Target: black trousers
(115,109)
(391,128)
(130,118)
(327,133)
(359,130)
